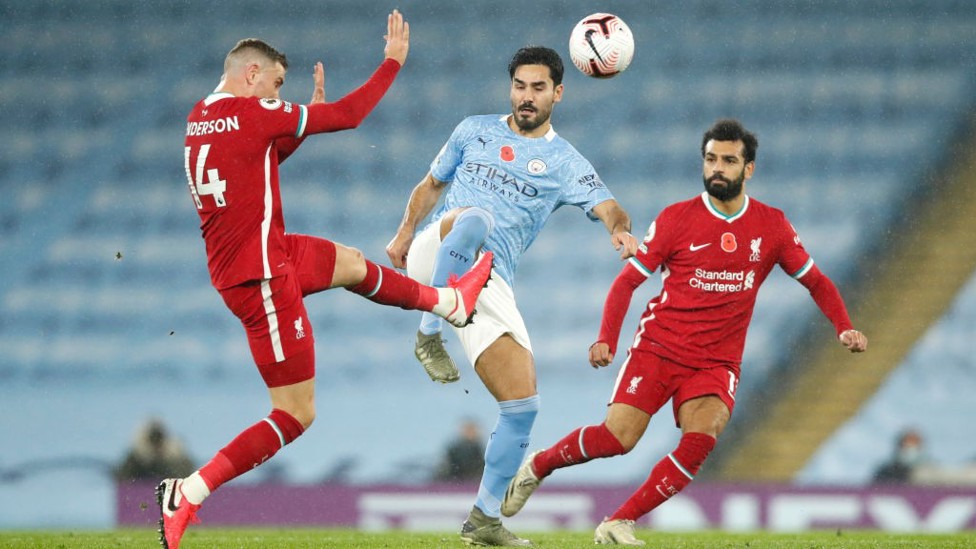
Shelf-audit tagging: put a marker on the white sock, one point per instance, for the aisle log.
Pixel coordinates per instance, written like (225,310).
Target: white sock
(194,489)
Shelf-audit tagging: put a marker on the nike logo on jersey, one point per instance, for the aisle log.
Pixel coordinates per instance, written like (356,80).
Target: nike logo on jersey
(698,247)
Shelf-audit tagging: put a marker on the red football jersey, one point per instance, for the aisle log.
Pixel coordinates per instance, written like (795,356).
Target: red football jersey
(712,266)
(231,160)
(232,171)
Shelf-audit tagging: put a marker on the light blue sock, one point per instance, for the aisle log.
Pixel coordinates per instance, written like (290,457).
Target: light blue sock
(506,449)
(457,254)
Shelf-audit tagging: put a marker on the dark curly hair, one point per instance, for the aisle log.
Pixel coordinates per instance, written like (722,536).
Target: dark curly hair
(729,129)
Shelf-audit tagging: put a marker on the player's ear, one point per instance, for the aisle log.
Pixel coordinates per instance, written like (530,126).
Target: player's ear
(251,71)
(750,168)
(558,94)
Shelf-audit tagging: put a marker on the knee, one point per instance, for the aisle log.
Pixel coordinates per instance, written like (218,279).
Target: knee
(303,413)
(625,435)
(468,226)
(628,443)
(479,218)
(350,266)
(356,261)
(306,417)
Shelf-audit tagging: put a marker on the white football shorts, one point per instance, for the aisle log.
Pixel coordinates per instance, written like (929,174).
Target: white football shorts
(497,313)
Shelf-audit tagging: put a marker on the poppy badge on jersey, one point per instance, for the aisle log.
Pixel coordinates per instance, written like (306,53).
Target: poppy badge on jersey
(728,242)
(507,153)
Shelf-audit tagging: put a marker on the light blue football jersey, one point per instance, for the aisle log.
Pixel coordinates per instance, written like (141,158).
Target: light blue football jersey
(520,180)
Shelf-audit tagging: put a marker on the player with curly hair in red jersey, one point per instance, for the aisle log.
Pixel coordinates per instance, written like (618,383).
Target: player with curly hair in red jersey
(714,251)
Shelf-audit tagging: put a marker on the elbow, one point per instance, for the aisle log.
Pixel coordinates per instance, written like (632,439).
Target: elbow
(349,123)
(354,119)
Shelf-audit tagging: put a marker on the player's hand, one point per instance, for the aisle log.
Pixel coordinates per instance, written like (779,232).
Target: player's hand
(397,37)
(600,355)
(625,243)
(396,250)
(318,82)
(855,341)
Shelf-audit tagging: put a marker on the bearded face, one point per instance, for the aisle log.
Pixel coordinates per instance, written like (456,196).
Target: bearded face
(533,96)
(724,169)
(722,188)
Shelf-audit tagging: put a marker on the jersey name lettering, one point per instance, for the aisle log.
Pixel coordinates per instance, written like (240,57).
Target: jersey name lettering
(207,127)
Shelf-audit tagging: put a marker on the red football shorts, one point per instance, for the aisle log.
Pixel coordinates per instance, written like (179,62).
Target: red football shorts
(273,313)
(646,381)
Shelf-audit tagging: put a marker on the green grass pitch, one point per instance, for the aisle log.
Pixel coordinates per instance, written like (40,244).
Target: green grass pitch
(301,538)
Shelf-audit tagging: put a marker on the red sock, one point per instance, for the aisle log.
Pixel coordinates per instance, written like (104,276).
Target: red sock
(580,446)
(389,287)
(251,448)
(668,477)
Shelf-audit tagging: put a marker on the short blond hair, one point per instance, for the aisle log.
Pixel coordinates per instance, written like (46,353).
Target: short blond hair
(255,45)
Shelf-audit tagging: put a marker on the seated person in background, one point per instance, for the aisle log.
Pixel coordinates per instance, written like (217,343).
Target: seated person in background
(907,456)
(464,458)
(154,454)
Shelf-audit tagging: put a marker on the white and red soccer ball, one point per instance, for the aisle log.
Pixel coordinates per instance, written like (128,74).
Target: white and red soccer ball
(601,45)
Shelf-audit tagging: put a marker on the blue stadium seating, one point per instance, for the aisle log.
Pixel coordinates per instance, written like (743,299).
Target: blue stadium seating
(936,378)
(105,304)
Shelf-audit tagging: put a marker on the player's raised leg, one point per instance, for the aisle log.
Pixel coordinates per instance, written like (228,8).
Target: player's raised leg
(465,231)
(454,303)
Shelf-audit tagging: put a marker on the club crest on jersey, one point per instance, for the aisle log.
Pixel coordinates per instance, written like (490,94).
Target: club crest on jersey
(728,242)
(507,153)
(536,166)
(754,246)
(270,103)
(634,381)
(648,236)
(796,236)
(299,328)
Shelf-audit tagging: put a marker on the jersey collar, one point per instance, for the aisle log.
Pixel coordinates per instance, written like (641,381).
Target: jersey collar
(720,215)
(216,96)
(550,135)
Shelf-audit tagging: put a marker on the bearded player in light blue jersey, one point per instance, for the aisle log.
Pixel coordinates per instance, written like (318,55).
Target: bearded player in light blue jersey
(504,174)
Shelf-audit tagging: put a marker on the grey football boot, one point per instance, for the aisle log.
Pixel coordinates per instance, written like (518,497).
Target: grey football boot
(433,356)
(484,531)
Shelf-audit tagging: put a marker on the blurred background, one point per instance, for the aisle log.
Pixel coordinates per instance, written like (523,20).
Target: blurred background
(864,112)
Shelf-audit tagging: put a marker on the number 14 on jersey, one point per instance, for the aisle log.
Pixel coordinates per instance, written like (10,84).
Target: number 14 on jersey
(213,186)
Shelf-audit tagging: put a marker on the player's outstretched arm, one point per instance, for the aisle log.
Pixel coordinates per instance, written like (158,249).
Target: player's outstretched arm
(855,341)
(287,145)
(397,37)
(349,111)
(422,200)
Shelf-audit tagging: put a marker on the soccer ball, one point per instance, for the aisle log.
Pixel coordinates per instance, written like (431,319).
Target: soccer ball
(601,45)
